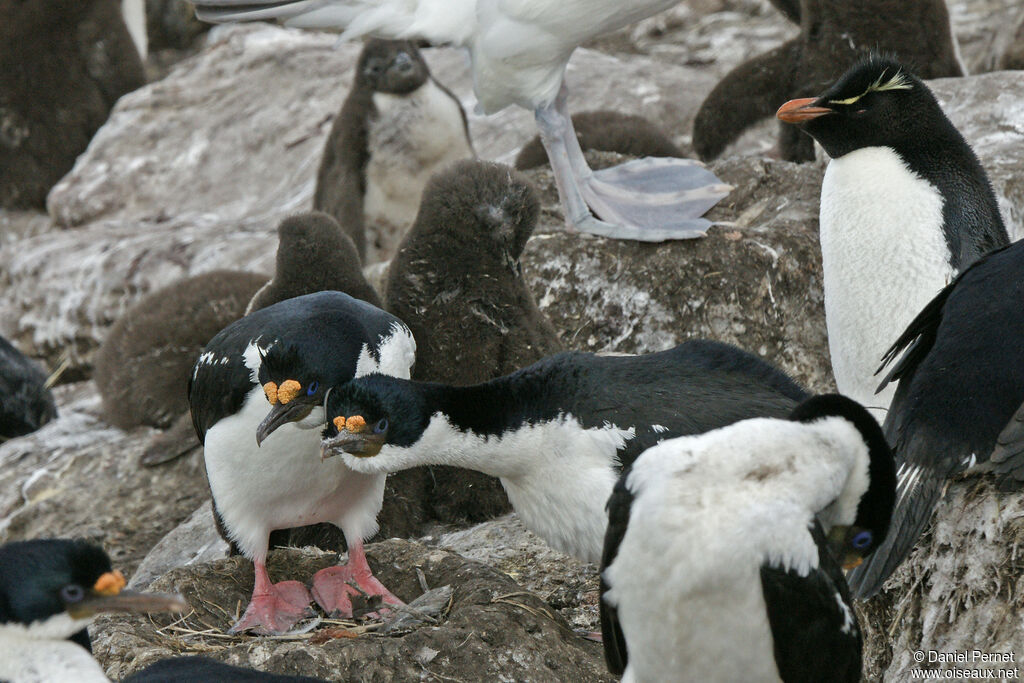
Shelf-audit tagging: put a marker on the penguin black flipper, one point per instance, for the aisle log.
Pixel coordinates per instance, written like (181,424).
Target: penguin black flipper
(748,94)
(790,8)
(814,631)
(614,640)
(26,404)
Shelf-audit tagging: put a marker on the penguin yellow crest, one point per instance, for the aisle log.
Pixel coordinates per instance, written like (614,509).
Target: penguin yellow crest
(270,389)
(288,390)
(110,583)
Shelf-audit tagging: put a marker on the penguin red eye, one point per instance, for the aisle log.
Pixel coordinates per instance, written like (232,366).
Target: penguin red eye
(312,388)
(381,426)
(72,593)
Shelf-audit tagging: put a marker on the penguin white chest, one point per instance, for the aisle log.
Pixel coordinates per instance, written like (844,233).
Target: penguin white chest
(884,256)
(411,137)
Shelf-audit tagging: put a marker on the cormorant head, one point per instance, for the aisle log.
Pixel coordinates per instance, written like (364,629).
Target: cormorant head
(391,66)
(370,412)
(857,521)
(877,103)
(54,587)
(295,381)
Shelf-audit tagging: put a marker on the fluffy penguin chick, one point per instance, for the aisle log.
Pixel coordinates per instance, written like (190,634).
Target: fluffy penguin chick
(63,66)
(737,535)
(50,590)
(257,395)
(142,367)
(314,255)
(557,432)
(458,284)
(396,128)
(905,205)
(26,403)
(959,400)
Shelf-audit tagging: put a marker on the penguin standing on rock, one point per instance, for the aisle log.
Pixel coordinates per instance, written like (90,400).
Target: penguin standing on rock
(26,403)
(397,127)
(257,396)
(959,400)
(557,432)
(905,205)
(832,33)
(738,536)
(457,283)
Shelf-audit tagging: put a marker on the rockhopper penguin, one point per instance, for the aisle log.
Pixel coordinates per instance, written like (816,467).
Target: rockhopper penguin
(257,395)
(519,50)
(905,205)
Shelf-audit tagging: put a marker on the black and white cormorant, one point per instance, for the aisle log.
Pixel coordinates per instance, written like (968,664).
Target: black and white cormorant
(257,394)
(26,403)
(519,50)
(905,205)
(556,432)
(723,552)
(959,398)
(50,590)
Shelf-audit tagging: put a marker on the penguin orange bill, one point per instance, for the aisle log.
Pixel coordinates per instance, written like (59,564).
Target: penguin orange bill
(800,111)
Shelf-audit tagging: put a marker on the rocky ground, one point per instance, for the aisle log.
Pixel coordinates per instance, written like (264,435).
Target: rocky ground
(193,172)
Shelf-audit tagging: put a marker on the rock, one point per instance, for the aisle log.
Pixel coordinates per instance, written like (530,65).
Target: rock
(78,477)
(493,630)
(1012,54)
(957,592)
(754,281)
(177,180)
(194,541)
(567,584)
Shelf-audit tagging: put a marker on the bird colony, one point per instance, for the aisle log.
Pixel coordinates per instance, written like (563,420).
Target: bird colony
(437,429)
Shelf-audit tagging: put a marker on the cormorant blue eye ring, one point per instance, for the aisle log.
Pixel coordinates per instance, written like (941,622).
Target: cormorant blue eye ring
(862,540)
(381,426)
(72,593)
(312,388)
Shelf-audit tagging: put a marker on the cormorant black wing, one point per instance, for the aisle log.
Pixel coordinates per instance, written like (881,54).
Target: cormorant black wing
(614,640)
(814,629)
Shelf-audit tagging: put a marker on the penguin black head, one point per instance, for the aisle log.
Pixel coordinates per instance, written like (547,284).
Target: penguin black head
(852,541)
(369,412)
(391,66)
(484,209)
(47,578)
(303,238)
(877,103)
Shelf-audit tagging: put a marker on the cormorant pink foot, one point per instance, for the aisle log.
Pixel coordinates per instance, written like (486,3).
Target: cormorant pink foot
(275,611)
(335,588)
